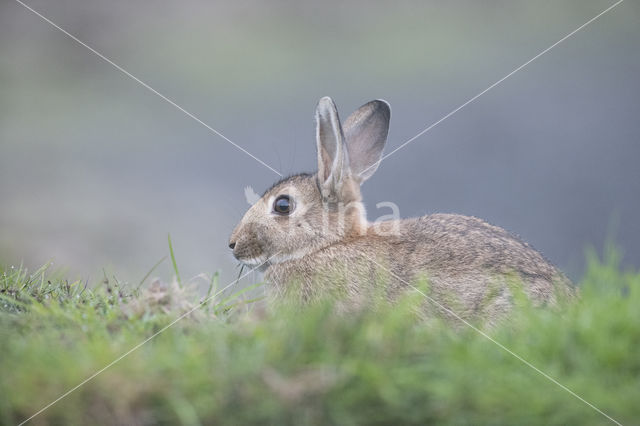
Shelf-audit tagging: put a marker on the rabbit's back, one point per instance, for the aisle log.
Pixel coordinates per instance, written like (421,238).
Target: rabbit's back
(456,243)
(478,265)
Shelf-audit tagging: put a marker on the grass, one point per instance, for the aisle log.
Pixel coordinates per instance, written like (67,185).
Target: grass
(220,365)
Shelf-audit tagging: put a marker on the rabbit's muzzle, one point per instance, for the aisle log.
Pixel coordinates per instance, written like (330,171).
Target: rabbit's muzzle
(246,246)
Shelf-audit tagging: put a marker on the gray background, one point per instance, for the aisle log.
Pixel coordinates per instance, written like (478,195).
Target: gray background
(95,170)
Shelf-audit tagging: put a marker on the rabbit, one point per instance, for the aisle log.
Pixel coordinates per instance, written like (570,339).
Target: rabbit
(310,236)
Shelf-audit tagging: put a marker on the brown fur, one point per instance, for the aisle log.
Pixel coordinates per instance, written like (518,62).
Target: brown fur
(326,248)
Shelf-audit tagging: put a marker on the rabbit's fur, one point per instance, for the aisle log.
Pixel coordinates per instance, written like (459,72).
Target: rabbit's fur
(326,248)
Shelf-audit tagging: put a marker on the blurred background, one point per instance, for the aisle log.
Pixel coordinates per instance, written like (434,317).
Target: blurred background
(95,170)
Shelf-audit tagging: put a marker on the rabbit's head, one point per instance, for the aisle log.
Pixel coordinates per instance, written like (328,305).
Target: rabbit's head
(304,213)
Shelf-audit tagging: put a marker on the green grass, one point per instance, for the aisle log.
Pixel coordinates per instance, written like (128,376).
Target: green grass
(220,365)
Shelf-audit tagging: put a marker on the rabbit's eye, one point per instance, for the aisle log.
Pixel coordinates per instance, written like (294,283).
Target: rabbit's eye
(283,205)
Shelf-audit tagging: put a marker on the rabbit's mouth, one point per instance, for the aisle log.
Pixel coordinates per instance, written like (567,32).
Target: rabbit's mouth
(250,255)
(252,261)
(267,261)
(259,264)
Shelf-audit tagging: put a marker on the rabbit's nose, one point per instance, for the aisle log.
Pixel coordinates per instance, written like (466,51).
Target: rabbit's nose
(232,245)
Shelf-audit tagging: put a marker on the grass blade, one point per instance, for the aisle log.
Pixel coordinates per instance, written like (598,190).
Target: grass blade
(173,260)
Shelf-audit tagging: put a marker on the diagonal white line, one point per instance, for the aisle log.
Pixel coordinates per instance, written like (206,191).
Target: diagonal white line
(146,86)
(494,84)
(500,345)
(163,329)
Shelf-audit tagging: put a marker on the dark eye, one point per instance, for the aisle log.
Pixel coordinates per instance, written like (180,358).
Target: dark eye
(283,205)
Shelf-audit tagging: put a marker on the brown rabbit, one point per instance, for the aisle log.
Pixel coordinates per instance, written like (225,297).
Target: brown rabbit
(312,237)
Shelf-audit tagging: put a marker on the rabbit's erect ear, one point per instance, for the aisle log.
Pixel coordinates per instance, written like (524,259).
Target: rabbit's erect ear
(365,133)
(333,165)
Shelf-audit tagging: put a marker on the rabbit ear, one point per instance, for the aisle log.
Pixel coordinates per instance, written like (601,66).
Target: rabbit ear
(365,133)
(333,165)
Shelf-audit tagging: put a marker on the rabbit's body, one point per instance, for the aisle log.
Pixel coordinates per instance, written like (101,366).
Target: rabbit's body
(311,234)
(466,263)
